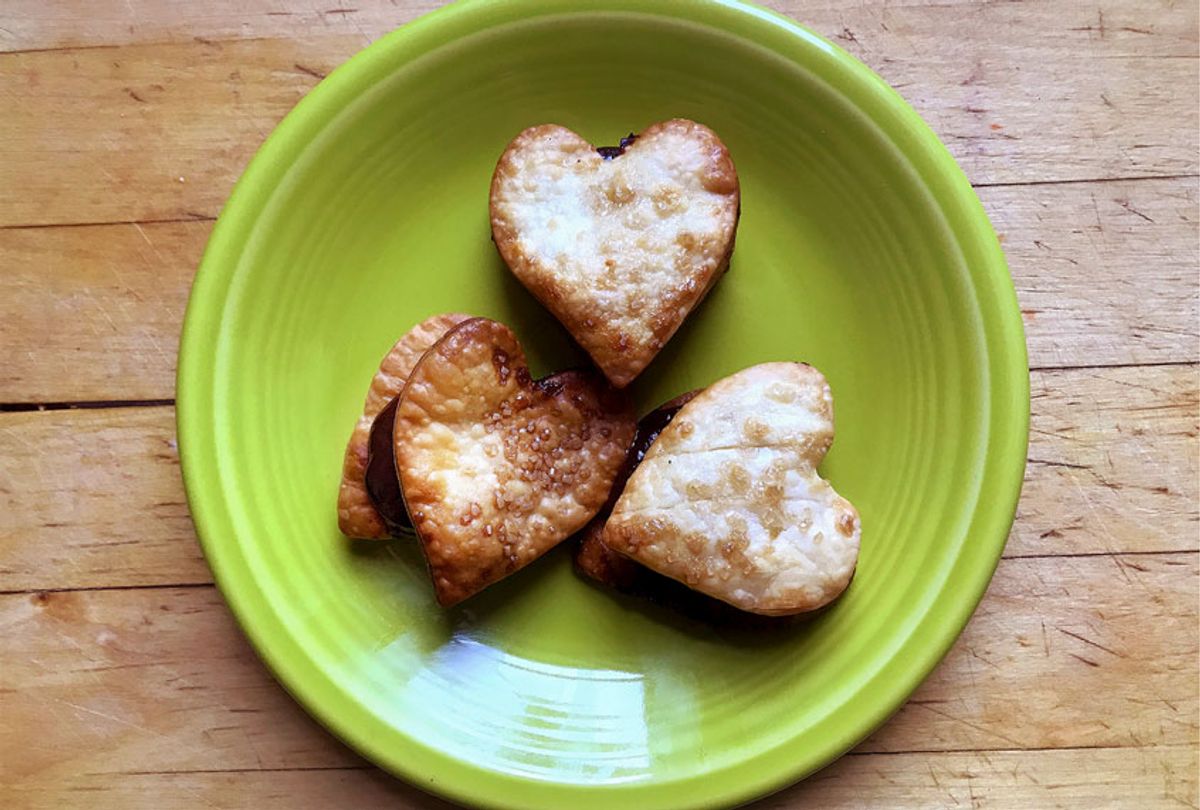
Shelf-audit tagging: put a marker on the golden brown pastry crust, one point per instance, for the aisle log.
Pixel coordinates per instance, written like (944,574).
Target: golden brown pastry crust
(728,500)
(357,516)
(620,250)
(497,468)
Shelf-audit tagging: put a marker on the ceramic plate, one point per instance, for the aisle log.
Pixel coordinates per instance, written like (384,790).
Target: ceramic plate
(862,249)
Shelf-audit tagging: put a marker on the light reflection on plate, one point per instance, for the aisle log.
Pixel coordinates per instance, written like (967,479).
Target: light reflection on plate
(540,719)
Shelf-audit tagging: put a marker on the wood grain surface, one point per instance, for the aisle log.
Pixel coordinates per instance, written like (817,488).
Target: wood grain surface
(124,682)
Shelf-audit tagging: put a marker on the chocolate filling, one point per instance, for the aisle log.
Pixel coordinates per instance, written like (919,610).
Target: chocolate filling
(382,480)
(610,152)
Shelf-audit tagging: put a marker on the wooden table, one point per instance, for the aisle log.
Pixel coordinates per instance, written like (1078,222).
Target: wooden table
(124,681)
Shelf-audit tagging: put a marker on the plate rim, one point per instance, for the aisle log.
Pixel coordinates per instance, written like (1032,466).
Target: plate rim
(1002,472)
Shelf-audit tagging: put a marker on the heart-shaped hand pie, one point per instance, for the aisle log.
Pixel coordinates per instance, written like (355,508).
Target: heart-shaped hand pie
(728,501)
(622,243)
(357,514)
(497,468)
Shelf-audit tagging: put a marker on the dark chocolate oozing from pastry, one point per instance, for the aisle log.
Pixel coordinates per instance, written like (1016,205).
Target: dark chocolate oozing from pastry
(383,484)
(610,152)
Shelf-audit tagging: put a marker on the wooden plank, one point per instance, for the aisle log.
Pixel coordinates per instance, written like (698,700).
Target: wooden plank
(1005,780)
(94,313)
(145,132)
(1112,462)
(76,23)
(1105,273)
(127,680)
(1050,636)
(286,790)
(28,24)
(93,498)
(1092,651)
(1076,91)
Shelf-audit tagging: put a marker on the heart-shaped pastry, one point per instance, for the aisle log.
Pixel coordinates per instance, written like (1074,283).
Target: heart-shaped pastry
(497,468)
(619,243)
(728,500)
(357,514)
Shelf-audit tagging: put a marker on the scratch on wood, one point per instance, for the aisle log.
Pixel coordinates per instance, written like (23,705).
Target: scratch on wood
(847,35)
(975,76)
(1087,661)
(976,726)
(1128,207)
(316,74)
(1052,463)
(1098,27)
(1089,642)
(976,655)
(1121,567)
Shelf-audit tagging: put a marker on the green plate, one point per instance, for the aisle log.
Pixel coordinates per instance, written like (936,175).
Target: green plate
(862,250)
